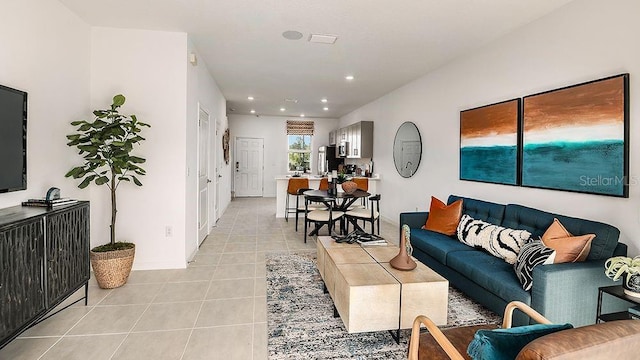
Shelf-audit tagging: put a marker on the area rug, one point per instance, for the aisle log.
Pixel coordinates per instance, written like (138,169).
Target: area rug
(301,323)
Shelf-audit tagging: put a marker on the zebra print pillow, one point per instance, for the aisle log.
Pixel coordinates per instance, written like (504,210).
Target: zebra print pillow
(532,254)
(500,242)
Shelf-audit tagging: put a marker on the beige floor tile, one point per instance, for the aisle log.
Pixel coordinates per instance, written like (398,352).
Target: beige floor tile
(237,239)
(193,273)
(260,344)
(260,309)
(245,230)
(27,349)
(169,316)
(58,324)
(239,271)
(148,276)
(95,347)
(271,237)
(228,289)
(272,245)
(228,343)
(183,291)
(240,247)
(205,260)
(260,286)
(131,294)
(261,271)
(238,258)
(159,345)
(226,312)
(109,319)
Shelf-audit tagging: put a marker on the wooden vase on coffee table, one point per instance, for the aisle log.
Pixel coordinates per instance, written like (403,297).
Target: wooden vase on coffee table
(403,260)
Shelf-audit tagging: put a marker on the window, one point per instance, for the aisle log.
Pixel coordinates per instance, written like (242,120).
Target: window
(299,134)
(299,152)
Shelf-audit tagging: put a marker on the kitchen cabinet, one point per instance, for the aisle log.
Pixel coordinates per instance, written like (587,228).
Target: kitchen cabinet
(332,137)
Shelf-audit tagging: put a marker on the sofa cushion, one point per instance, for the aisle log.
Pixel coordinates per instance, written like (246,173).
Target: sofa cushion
(537,222)
(443,218)
(489,272)
(568,248)
(481,210)
(436,245)
(532,254)
(505,344)
(497,240)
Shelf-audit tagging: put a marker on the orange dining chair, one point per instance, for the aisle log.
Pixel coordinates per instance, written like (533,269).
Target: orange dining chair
(293,187)
(363,184)
(324,184)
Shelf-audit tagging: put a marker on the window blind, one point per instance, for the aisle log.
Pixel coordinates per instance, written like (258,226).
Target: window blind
(299,127)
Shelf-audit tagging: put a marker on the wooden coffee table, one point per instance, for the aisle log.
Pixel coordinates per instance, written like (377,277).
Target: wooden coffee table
(370,295)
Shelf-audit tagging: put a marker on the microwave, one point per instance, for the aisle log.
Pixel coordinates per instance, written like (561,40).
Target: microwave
(342,150)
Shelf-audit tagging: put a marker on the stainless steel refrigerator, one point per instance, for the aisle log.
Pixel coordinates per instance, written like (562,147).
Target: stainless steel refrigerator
(327,160)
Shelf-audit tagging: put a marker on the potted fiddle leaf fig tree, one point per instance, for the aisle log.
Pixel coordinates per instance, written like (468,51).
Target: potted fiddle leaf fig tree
(106,145)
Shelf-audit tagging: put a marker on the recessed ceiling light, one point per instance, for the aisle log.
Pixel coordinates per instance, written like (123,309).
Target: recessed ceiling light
(292,35)
(301,115)
(249,98)
(282,109)
(324,100)
(323,39)
(349,77)
(253,111)
(325,108)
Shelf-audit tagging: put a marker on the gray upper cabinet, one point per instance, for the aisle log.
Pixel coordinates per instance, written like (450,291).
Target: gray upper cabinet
(332,137)
(359,137)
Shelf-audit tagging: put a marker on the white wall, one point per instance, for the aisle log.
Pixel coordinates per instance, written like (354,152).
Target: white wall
(273,129)
(585,40)
(203,90)
(32,36)
(150,69)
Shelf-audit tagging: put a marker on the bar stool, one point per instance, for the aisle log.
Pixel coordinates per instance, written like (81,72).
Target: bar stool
(324,184)
(293,186)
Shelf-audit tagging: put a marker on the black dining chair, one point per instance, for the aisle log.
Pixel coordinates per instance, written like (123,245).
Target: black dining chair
(371,215)
(320,217)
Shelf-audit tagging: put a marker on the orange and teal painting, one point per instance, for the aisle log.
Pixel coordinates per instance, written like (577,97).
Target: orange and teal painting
(574,138)
(489,143)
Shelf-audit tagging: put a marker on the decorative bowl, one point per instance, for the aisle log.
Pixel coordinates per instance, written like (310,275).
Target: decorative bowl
(349,187)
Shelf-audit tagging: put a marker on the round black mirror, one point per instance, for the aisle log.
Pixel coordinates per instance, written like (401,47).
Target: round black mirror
(407,149)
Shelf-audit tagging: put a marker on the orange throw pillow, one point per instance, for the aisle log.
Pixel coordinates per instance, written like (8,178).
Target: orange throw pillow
(443,218)
(568,248)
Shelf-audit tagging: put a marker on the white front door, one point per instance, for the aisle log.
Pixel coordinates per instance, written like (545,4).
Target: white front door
(203,175)
(249,166)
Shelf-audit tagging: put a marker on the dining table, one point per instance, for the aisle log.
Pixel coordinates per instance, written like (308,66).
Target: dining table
(342,202)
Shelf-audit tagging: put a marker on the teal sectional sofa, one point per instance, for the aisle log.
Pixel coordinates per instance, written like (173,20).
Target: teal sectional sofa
(563,293)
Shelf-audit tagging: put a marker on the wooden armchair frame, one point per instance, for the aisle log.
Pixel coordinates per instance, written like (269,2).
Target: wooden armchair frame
(447,346)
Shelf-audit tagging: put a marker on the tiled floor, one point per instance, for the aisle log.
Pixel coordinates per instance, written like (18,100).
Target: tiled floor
(214,309)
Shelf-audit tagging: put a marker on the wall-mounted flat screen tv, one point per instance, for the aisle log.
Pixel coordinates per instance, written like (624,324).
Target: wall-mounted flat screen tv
(13,139)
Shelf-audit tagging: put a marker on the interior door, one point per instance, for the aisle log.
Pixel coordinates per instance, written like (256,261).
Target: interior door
(218,173)
(249,166)
(203,175)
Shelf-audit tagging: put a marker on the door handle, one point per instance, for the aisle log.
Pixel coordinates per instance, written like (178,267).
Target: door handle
(219,176)
(208,181)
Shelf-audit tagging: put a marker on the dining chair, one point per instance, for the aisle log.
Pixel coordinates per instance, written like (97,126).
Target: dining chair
(293,187)
(371,215)
(320,217)
(363,184)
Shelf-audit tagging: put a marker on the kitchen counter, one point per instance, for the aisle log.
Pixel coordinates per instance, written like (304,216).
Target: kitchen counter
(314,183)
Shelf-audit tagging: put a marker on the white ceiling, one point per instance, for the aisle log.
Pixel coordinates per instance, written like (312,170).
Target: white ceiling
(384,44)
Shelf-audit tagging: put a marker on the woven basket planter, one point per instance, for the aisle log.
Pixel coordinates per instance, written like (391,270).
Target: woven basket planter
(112,268)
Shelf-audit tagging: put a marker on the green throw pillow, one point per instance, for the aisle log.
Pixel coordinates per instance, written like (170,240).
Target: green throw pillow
(505,344)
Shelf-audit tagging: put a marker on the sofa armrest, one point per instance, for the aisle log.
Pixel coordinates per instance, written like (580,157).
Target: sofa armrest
(568,293)
(415,220)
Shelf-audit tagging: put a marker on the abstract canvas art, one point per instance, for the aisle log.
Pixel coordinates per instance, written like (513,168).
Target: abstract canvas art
(575,138)
(489,143)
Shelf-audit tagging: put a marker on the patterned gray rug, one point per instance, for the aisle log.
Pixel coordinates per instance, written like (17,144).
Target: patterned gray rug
(301,323)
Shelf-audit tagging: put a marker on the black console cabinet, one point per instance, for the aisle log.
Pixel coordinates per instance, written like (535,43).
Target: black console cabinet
(44,258)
